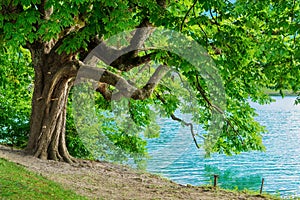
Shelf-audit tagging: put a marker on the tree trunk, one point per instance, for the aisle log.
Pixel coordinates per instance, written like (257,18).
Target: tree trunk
(53,81)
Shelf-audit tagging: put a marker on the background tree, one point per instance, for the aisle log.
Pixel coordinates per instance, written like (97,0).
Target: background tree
(254,45)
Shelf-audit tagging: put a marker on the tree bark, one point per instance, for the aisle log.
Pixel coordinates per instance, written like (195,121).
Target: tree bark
(53,79)
(48,118)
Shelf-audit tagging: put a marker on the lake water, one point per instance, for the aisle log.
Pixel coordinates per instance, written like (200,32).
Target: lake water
(175,156)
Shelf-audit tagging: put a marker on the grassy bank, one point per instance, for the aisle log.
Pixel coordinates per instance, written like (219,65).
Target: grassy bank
(18,183)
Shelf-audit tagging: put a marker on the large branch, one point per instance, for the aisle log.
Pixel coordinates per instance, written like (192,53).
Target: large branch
(125,88)
(124,58)
(126,64)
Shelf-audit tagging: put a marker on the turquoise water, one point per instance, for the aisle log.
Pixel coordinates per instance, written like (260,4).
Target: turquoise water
(175,156)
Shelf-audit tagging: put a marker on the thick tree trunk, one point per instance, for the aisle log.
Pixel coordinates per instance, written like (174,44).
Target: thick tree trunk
(53,81)
(48,119)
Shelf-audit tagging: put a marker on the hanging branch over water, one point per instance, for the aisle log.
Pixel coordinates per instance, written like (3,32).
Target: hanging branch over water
(212,106)
(175,118)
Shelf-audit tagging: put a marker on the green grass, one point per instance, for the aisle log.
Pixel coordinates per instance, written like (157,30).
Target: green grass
(18,183)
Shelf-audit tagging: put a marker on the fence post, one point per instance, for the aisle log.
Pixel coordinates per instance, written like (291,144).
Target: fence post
(215,180)
(262,185)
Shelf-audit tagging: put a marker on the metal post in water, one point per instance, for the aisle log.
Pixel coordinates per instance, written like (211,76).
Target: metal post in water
(215,180)
(262,185)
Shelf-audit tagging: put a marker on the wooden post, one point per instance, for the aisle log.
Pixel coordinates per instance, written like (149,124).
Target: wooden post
(262,185)
(215,180)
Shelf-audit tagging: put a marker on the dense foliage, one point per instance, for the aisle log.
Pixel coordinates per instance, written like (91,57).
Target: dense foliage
(16,77)
(254,45)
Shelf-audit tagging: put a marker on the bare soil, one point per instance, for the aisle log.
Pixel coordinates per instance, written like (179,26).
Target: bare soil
(102,180)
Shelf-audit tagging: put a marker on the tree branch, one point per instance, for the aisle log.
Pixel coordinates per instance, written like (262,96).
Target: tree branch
(187,13)
(214,20)
(125,58)
(104,91)
(216,108)
(121,58)
(125,64)
(126,89)
(45,14)
(202,30)
(182,121)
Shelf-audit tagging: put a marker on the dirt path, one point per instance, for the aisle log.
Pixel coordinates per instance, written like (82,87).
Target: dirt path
(104,180)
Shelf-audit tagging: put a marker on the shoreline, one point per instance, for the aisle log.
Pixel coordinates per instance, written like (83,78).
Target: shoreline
(111,181)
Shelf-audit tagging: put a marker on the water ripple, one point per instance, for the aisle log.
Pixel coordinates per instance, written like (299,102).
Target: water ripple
(279,165)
